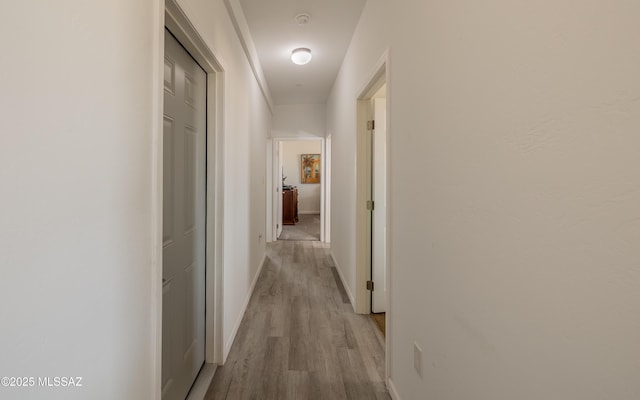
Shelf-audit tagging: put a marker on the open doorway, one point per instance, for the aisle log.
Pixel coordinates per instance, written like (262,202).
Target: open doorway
(372,202)
(299,189)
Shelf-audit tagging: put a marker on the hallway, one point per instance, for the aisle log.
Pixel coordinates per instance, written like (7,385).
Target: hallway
(512,176)
(299,338)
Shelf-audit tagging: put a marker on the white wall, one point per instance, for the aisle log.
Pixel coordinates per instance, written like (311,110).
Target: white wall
(75,228)
(76,140)
(247,124)
(514,192)
(308,193)
(367,47)
(299,120)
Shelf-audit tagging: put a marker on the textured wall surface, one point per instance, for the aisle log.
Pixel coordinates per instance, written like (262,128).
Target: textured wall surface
(514,180)
(76,164)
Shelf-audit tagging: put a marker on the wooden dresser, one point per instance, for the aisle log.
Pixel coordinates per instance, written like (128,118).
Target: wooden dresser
(289,206)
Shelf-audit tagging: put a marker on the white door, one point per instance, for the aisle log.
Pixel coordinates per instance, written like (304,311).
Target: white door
(379,214)
(183,257)
(327,190)
(280,173)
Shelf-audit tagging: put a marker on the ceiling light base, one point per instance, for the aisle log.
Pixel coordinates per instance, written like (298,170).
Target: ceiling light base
(301,56)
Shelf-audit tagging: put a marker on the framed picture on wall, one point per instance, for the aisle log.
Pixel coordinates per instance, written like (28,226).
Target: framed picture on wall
(310,168)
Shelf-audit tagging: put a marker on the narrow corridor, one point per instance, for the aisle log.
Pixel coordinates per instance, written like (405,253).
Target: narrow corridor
(300,338)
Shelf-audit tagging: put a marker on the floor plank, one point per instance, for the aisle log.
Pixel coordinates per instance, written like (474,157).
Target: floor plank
(299,338)
(307,228)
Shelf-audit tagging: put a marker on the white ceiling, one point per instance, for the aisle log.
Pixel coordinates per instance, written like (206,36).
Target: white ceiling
(275,33)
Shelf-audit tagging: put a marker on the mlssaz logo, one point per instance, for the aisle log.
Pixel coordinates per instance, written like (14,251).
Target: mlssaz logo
(60,381)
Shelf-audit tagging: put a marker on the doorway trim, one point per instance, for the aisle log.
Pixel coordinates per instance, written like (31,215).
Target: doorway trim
(379,76)
(172,16)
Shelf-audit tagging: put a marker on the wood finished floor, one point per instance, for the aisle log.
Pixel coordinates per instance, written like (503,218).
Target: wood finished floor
(307,228)
(381,321)
(299,338)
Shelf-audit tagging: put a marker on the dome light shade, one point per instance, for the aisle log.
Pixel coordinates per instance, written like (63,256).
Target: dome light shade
(301,56)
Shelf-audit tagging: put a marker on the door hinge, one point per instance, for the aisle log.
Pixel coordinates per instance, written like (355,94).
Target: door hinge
(370,285)
(370,205)
(371,125)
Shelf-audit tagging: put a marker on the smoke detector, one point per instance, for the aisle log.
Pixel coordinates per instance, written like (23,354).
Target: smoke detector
(303,19)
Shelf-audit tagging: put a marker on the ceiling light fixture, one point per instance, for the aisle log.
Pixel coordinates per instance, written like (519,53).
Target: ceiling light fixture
(301,56)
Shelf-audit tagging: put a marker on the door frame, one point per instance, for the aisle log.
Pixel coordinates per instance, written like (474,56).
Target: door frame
(373,114)
(275,189)
(172,16)
(379,76)
(326,197)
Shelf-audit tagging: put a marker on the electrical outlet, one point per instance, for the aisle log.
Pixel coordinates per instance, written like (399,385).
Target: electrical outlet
(417,359)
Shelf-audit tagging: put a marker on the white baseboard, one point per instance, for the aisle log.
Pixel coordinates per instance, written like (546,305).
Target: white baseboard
(202,383)
(344,284)
(309,212)
(392,390)
(236,326)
